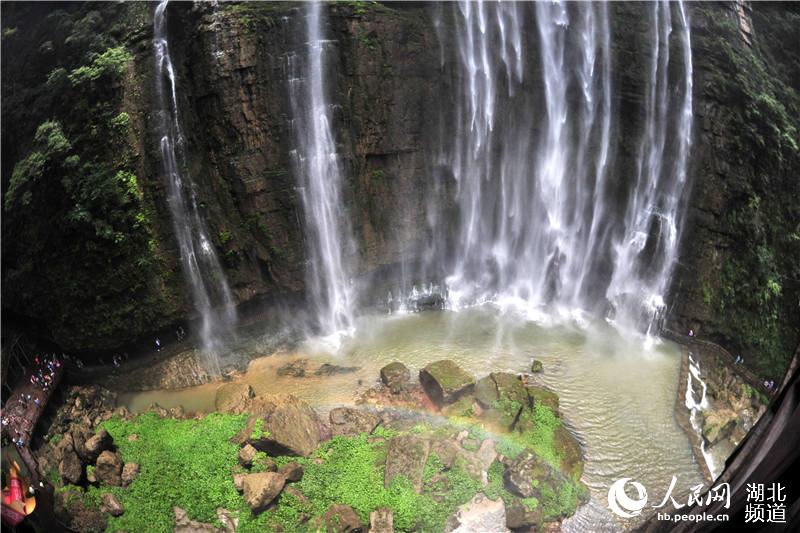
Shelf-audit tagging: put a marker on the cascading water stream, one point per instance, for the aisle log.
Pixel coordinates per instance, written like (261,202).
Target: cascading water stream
(647,252)
(211,295)
(319,172)
(542,227)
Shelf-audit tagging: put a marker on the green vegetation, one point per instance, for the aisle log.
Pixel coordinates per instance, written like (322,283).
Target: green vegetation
(110,64)
(258,431)
(184,463)
(75,221)
(753,293)
(188,463)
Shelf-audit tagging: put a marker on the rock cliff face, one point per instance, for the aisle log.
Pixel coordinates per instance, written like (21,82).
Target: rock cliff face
(738,277)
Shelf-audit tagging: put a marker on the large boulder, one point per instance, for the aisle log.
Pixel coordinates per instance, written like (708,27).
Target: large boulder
(406,456)
(568,448)
(718,425)
(292,471)
(129,472)
(396,376)
(233,398)
(342,519)
(96,444)
(246,455)
(521,518)
(381,520)
(289,426)
(295,369)
(486,392)
(108,469)
(261,489)
(510,388)
(545,397)
(445,382)
(479,514)
(349,421)
(70,468)
(504,397)
(111,505)
(526,474)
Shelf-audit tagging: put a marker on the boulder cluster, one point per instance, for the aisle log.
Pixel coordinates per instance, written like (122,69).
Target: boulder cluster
(281,425)
(80,455)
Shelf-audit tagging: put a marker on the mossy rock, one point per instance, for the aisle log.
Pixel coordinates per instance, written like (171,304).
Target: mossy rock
(521,517)
(544,397)
(445,382)
(569,450)
(463,407)
(537,367)
(486,392)
(511,388)
(526,475)
(395,376)
(406,456)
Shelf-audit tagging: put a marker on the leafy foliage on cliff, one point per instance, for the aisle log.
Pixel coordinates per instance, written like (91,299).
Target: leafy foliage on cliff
(756,296)
(78,243)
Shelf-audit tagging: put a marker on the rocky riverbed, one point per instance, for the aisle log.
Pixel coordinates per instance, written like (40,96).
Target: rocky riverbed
(447,453)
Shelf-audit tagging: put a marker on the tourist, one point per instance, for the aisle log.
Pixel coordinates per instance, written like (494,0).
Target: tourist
(691,333)
(158,344)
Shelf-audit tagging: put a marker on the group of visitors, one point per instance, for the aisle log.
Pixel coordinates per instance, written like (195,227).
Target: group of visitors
(180,335)
(769,384)
(18,421)
(44,371)
(19,414)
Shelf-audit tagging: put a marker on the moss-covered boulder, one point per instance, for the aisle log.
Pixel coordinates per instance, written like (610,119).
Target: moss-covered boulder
(503,396)
(396,376)
(486,392)
(445,382)
(718,425)
(349,421)
(544,397)
(569,451)
(526,475)
(406,456)
(520,517)
(537,367)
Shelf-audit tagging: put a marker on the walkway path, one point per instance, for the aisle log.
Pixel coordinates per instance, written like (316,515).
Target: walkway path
(724,355)
(21,414)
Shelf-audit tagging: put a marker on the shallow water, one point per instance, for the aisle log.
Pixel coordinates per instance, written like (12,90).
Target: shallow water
(616,396)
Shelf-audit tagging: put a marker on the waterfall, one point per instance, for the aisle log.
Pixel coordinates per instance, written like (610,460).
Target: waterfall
(542,226)
(211,294)
(646,253)
(319,171)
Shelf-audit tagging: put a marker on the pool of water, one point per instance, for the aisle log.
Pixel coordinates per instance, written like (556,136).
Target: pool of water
(617,395)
